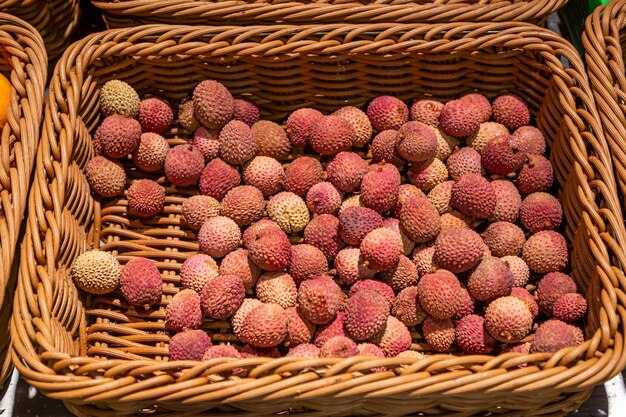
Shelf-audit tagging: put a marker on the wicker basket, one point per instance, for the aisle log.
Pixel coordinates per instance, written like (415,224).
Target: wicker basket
(129,13)
(604,40)
(54,19)
(23,61)
(98,354)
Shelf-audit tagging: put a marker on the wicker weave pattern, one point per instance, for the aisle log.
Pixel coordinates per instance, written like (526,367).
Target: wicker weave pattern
(23,61)
(128,13)
(54,19)
(98,353)
(604,41)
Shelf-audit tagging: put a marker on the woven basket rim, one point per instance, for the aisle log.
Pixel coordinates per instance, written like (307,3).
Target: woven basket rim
(25,52)
(269,12)
(571,369)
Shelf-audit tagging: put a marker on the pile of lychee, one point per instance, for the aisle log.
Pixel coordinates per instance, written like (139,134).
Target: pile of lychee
(360,232)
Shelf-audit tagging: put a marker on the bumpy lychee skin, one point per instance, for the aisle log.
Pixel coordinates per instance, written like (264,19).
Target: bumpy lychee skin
(96,272)
(360,123)
(459,118)
(323,198)
(371,284)
(351,267)
(118,136)
(535,176)
(207,142)
(508,319)
(402,275)
(480,103)
(541,211)
(438,294)
(306,261)
(305,350)
(105,177)
(406,307)
(319,299)
(238,263)
(504,155)
(186,117)
(244,204)
(387,112)
(484,134)
(155,115)
(423,258)
(196,271)
(254,231)
(299,329)
(271,140)
(265,326)
(570,307)
(508,202)
(528,298)
(289,211)
(426,175)
(464,161)
(323,233)
(473,196)
(366,314)
(552,287)
(237,143)
(383,146)
(222,296)
(446,144)
(184,165)
(466,304)
(278,288)
(198,208)
(416,142)
(223,351)
(339,347)
(346,170)
(454,220)
(218,178)
(458,250)
(189,345)
(145,198)
(406,192)
(519,269)
(303,173)
(271,250)
(184,311)
(329,330)
(356,222)
(379,187)
(511,111)
(394,339)
(554,335)
(394,224)
(534,139)
(426,111)
(299,125)
(249,351)
(266,174)
(472,336)
(219,236)
(545,251)
(331,135)
(151,153)
(491,279)
(439,334)
(141,282)
(246,307)
(419,219)
(246,112)
(118,97)
(381,248)
(440,195)
(213,104)
(504,239)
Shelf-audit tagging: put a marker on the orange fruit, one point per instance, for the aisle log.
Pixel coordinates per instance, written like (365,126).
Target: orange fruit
(5,96)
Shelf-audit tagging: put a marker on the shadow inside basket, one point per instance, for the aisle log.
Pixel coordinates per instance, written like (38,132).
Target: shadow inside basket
(280,72)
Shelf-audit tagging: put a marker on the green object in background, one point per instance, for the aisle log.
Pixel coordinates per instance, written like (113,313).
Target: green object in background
(574,14)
